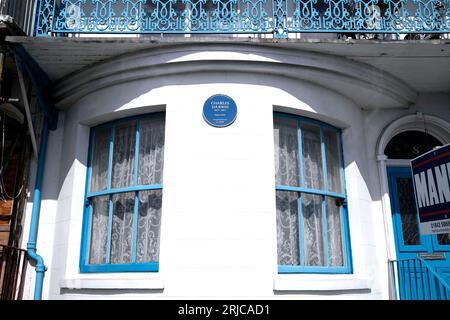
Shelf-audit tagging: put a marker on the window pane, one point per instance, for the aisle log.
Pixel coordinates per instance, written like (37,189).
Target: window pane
(332,154)
(286,152)
(99,230)
(149,222)
(334,233)
(313,236)
(444,239)
(408,213)
(100,158)
(123,155)
(312,157)
(122,227)
(287,228)
(151,151)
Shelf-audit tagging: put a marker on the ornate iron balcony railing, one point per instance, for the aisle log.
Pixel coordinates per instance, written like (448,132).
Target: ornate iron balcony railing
(277,17)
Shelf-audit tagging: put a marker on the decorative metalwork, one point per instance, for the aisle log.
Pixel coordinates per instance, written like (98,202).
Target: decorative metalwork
(279,17)
(44,17)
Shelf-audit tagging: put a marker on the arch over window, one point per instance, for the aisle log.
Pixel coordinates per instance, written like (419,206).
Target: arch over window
(312,225)
(410,144)
(124,196)
(434,126)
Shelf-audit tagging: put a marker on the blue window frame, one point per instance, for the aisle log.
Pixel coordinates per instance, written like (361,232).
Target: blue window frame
(123,198)
(311,201)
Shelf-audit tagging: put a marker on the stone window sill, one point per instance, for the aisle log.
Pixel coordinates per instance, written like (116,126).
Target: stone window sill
(102,284)
(319,285)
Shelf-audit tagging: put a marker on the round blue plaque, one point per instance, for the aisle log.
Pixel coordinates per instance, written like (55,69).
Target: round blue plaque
(219,110)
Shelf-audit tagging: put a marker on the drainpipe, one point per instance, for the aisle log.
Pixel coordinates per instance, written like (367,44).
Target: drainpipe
(32,238)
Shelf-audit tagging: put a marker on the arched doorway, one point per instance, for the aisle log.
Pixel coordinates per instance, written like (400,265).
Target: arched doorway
(409,140)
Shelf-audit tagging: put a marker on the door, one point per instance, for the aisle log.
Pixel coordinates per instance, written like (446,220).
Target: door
(414,280)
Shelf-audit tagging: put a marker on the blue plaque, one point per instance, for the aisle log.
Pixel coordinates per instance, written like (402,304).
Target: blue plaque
(219,111)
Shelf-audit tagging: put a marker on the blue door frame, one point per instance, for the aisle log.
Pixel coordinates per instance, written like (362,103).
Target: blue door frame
(409,243)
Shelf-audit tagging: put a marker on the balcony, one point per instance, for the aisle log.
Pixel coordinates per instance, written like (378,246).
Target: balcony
(273,18)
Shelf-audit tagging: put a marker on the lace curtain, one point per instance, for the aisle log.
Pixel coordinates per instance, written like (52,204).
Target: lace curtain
(332,150)
(287,228)
(286,155)
(99,165)
(124,244)
(306,231)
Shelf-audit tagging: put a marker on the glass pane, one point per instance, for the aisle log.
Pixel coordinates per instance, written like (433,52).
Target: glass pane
(408,214)
(286,152)
(100,158)
(332,154)
(151,151)
(287,228)
(312,157)
(123,155)
(122,227)
(149,222)
(334,232)
(313,236)
(444,239)
(99,230)
(410,144)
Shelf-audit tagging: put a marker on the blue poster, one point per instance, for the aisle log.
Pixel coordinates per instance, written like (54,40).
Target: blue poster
(219,111)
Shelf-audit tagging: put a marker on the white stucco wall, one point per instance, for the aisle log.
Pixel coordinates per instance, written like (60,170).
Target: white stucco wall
(218,233)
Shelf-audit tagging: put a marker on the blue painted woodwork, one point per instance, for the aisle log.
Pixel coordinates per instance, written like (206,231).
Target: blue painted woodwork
(35,213)
(413,276)
(416,279)
(302,268)
(278,17)
(133,266)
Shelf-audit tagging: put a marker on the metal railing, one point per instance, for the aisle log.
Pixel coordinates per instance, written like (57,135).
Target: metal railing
(277,17)
(13,264)
(20,12)
(415,279)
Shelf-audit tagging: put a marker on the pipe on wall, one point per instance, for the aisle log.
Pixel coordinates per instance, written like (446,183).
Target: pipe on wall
(32,238)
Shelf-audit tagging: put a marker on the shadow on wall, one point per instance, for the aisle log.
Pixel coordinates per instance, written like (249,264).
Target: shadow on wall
(307,99)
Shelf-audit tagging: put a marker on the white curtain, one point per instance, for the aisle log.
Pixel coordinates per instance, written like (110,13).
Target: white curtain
(122,227)
(150,171)
(312,157)
(333,160)
(287,228)
(99,230)
(151,151)
(286,152)
(334,232)
(99,165)
(149,222)
(312,239)
(123,155)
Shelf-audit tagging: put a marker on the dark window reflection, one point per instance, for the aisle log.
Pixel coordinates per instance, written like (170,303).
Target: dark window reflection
(410,144)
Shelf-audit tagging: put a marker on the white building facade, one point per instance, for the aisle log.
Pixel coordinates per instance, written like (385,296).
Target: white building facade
(225,212)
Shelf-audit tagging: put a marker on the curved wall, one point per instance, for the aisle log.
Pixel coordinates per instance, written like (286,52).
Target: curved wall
(218,233)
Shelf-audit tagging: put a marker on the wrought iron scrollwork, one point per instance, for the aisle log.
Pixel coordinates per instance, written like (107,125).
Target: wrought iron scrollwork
(279,17)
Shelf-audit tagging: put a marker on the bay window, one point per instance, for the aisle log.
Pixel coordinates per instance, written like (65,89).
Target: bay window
(312,227)
(122,218)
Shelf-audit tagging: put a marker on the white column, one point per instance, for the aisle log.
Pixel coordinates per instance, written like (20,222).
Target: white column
(387,217)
